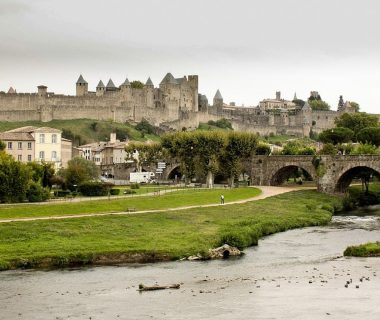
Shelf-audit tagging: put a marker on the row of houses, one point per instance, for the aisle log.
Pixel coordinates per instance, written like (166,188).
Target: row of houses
(44,144)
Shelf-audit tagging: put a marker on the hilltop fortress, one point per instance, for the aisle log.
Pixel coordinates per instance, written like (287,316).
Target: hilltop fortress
(175,104)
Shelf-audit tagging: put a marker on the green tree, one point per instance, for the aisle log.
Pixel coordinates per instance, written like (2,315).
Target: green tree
(319,105)
(336,135)
(79,170)
(136,84)
(262,149)
(355,105)
(147,153)
(240,147)
(369,135)
(365,149)
(298,148)
(42,172)
(357,121)
(299,102)
(145,127)
(2,145)
(14,179)
(328,149)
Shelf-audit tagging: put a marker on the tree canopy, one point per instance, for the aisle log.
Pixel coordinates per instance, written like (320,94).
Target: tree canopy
(319,105)
(369,135)
(357,121)
(79,170)
(336,135)
(136,84)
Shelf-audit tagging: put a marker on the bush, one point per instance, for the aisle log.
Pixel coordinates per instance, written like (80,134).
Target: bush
(114,192)
(91,189)
(135,186)
(129,191)
(62,193)
(37,193)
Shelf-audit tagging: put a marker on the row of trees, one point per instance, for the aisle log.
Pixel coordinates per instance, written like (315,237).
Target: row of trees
(201,154)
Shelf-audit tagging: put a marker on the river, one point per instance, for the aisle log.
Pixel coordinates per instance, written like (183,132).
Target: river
(298,274)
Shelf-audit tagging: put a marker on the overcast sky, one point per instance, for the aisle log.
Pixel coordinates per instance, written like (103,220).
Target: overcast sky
(246,48)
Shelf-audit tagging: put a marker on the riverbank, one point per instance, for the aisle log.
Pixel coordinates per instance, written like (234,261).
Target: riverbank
(370,249)
(163,236)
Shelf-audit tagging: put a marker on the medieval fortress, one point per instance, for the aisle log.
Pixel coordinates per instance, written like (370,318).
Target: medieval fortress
(175,104)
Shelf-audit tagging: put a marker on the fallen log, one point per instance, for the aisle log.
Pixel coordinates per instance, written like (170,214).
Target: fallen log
(157,287)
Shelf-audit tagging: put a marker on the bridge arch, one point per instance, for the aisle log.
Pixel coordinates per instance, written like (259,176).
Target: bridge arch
(174,173)
(355,172)
(284,173)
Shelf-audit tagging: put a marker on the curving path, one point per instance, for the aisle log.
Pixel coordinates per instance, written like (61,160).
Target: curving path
(267,191)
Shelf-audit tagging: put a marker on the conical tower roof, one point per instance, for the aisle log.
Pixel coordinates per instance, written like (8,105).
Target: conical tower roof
(218,95)
(110,84)
(306,106)
(126,82)
(295,96)
(100,84)
(149,82)
(169,79)
(81,80)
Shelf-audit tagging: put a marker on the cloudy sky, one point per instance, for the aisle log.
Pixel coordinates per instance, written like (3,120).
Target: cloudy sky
(246,48)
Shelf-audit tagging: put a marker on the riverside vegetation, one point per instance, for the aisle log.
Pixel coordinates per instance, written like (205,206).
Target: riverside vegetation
(157,236)
(370,249)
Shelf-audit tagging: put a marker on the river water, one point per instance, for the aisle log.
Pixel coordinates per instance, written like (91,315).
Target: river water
(298,274)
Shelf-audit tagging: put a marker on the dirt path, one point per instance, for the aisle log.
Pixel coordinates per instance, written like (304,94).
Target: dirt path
(267,191)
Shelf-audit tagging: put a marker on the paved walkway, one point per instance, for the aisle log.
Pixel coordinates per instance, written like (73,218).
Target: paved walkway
(267,191)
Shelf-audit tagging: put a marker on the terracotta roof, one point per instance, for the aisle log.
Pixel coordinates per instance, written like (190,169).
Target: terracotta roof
(19,136)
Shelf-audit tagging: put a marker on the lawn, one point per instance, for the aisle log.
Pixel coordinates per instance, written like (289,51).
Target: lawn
(157,236)
(173,199)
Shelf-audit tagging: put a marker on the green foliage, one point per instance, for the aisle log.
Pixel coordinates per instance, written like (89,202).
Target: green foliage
(93,126)
(299,102)
(262,149)
(328,149)
(114,192)
(148,153)
(76,139)
(319,105)
(370,135)
(145,127)
(14,178)
(336,135)
(221,123)
(355,105)
(78,171)
(2,145)
(357,121)
(134,186)
(298,148)
(37,193)
(93,188)
(365,149)
(136,84)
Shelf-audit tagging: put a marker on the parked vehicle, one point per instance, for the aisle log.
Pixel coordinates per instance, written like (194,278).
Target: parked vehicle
(141,177)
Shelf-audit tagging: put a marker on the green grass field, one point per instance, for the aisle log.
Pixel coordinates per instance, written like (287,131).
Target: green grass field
(370,249)
(86,130)
(174,199)
(166,235)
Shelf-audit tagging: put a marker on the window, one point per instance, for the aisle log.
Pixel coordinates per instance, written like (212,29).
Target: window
(19,145)
(19,157)
(29,146)
(42,138)
(10,145)
(42,155)
(54,138)
(53,155)
(29,157)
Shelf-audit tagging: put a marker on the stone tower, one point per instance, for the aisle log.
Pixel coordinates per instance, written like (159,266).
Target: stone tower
(100,89)
(149,89)
(278,95)
(81,86)
(193,81)
(306,121)
(218,99)
(42,90)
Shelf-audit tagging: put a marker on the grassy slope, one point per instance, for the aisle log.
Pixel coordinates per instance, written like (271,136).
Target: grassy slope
(370,249)
(82,128)
(165,201)
(173,234)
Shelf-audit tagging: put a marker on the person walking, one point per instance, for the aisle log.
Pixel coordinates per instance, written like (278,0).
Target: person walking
(221,199)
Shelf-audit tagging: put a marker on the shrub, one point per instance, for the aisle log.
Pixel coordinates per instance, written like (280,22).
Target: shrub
(37,193)
(135,186)
(129,191)
(62,193)
(114,192)
(91,189)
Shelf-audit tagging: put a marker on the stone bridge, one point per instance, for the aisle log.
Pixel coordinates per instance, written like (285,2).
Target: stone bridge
(332,174)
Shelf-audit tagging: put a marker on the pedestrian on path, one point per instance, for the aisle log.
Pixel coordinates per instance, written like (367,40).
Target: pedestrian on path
(221,199)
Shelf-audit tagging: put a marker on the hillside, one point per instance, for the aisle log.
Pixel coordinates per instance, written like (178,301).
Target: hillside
(84,131)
